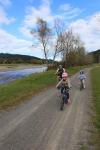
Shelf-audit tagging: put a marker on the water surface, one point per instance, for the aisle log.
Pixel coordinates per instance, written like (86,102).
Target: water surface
(9,76)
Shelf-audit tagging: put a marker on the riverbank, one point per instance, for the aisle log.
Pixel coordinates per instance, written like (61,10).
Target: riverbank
(8,67)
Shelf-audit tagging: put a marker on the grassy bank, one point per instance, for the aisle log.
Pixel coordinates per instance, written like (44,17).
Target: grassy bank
(95,76)
(23,89)
(73,70)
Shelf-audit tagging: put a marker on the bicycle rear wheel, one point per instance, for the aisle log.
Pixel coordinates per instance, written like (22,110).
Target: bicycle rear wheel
(62,104)
(81,85)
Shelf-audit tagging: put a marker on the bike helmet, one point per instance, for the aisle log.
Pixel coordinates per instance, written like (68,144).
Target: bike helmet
(64,75)
(81,72)
(60,66)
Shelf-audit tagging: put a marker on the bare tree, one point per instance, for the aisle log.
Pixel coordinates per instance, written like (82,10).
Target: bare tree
(43,33)
(72,48)
(59,27)
(68,44)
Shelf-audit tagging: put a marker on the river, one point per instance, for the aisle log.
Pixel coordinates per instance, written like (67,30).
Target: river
(8,76)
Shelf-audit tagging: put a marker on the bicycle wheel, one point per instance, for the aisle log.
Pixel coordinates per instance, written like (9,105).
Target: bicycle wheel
(81,85)
(62,104)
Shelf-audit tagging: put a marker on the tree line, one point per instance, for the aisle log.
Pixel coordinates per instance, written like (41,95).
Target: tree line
(16,58)
(96,56)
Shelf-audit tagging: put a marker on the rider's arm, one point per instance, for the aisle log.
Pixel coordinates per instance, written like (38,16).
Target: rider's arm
(57,71)
(84,76)
(80,77)
(64,70)
(69,84)
(59,84)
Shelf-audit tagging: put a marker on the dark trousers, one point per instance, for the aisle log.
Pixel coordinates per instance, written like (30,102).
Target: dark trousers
(64,91)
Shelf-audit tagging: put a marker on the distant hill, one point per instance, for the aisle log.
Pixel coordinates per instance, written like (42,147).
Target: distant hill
(96,56)
(17,58)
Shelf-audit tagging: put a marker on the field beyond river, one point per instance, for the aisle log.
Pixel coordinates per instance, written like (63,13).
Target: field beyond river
(8,67)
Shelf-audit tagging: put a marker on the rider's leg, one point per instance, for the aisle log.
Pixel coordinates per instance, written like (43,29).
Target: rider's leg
(84,84)
(58,78)
(68,99)
(61,90)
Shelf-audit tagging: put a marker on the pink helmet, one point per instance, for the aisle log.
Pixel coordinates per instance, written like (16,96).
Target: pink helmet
(64,75)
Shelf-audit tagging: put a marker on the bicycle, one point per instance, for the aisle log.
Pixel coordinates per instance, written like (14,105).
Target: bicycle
(82,84)
(64,97)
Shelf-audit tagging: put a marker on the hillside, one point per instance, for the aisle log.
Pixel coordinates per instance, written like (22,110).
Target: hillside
(96,56)
(17,58)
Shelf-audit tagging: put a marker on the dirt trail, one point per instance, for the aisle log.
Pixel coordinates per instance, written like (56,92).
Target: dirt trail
(40,125)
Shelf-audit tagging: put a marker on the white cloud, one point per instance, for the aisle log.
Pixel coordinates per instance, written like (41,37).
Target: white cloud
(30,1)
(44,11)
(69,11)
(4,19)
(5,2)
(32,13)
(65,7)
(89,31)
(11,44)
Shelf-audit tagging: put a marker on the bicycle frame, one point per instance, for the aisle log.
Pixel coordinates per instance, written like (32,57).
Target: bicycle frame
(81,84)
(64,99)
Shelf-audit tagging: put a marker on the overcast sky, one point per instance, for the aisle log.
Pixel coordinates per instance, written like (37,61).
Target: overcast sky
(17,17)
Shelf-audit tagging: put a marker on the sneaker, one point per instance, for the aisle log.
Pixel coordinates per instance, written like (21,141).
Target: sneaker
(66,101)
(69,101)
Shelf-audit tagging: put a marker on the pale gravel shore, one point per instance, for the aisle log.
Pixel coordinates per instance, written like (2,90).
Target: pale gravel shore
(8,67)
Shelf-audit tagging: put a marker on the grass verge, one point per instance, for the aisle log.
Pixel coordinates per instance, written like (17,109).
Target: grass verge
(95,77)
(23,89)
(84,148)
(73,70)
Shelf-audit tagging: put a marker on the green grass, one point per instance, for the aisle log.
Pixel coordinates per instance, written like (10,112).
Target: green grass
(95,77)
(84,148)
(73,70)
(23,89)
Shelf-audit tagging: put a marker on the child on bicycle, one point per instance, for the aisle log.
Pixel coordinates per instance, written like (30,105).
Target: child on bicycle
(64,84)
(82,78)
(59,72)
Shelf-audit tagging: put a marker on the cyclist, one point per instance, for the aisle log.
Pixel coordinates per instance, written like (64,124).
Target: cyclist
(82,78)
(64,84)
(59,72)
